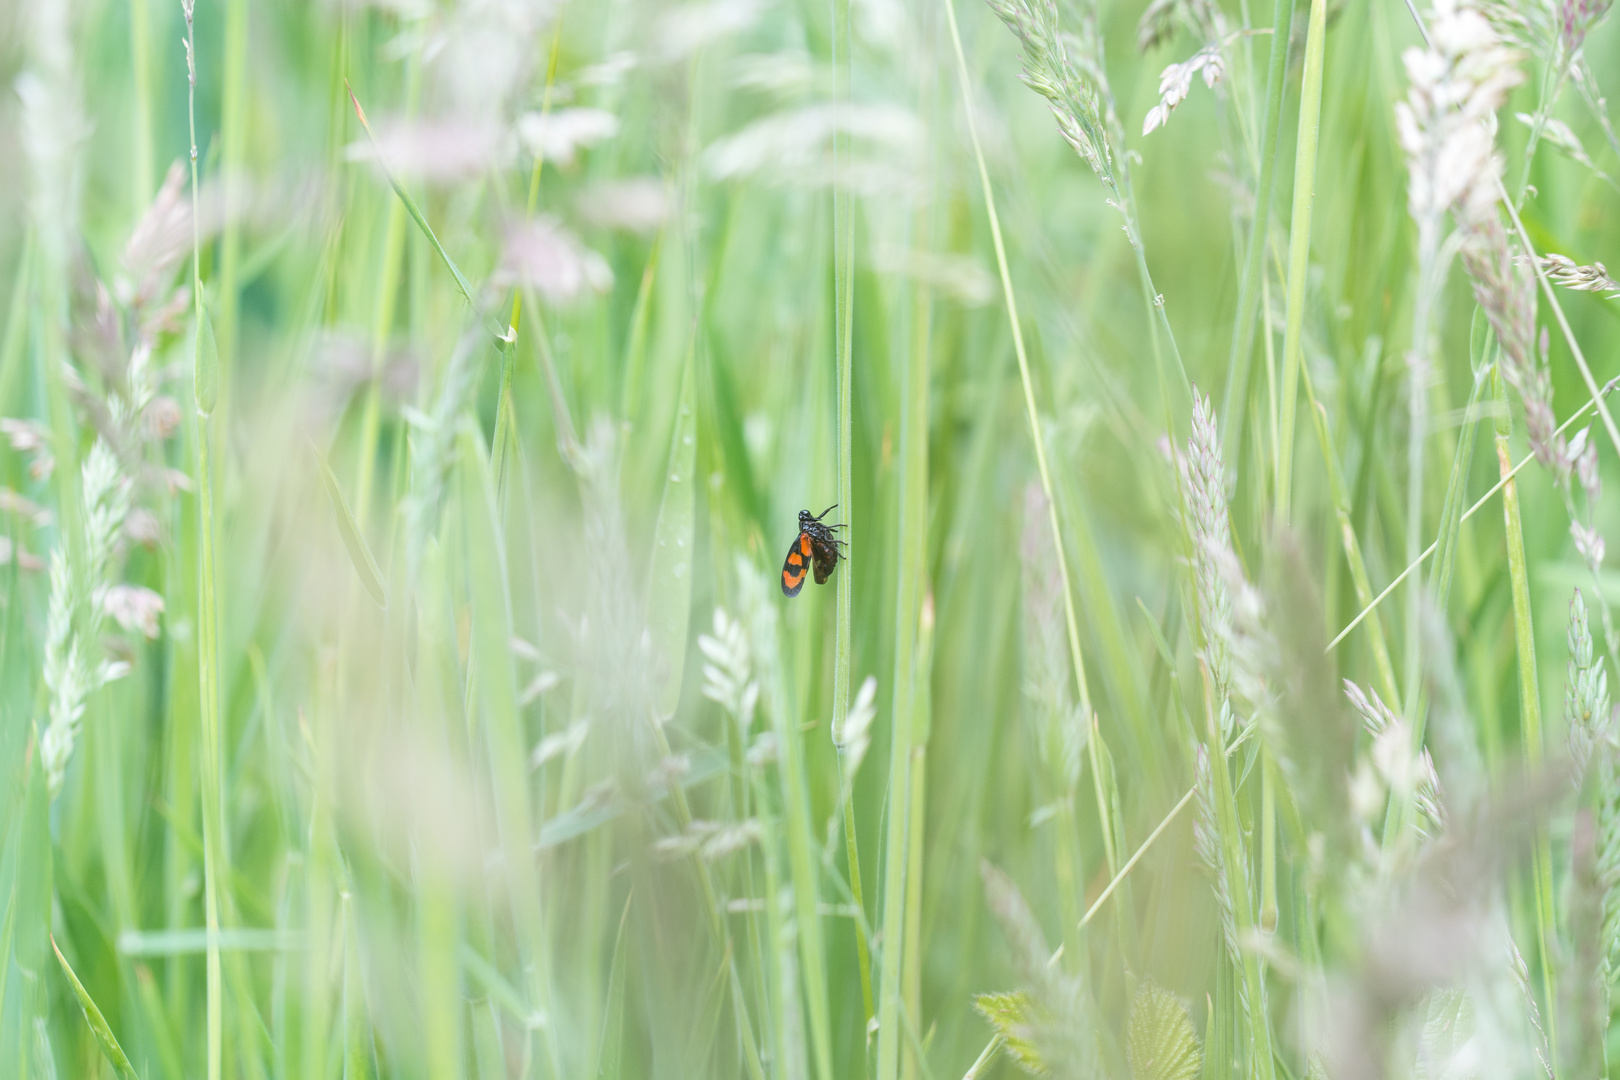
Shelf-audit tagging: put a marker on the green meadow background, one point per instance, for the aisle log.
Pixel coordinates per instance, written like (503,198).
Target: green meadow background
(404,687)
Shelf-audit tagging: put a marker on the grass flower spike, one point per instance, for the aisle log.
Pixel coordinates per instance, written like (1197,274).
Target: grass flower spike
(396,675)
(1447,122)
(79,602)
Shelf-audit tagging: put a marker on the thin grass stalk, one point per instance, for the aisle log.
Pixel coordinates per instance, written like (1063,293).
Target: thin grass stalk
(802,866)
(503,400)
(911,552)
(383,310)
(863,949)
(1348,540)
(1299,247)
(986,1058)
(1235,406)
(922,701)
(843,330)
(232,161)
(795,832)
(1552,88)
(505,415)
(1075,656)
(1413,566)
(140,65)
(1159,331)
(895,847)
(1401,810)
(1268,841)
(356,1022)
(1261,1062)
(213,804)
(508,766)
(1108,891)
(1441,573)
(1529,707)
(207,609)
(437,911)
(770,845)
(1575,351)
(1270,339)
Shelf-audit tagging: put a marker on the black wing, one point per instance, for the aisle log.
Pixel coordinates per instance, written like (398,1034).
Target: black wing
(793,569)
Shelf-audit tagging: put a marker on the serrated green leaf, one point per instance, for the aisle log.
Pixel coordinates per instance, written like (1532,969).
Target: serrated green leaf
(205,364)
(98,1024)
(1011,1014)
(359,551)
(1160,1043)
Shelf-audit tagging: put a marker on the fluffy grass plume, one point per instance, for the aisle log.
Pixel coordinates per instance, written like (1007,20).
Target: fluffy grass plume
(405,409)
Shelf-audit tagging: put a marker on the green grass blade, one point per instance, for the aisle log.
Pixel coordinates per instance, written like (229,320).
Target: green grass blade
(98,1024)
(1524,637)
(1235,407)
(1033,415)
(669,577)
(508,755)
(205,364)
(610,1048)
(410,203)
(843,330)
(1299,246)
(910,558)
(13,345)
(353,540)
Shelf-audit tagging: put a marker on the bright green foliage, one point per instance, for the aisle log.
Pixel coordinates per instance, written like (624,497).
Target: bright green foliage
(1011,1015)
(205,365)
(98,1023)
(1160,1043)
(353,539)
(480,741)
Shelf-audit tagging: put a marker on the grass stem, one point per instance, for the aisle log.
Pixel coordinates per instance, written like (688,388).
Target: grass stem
(1470,512)
(207,602)
(843,340)
(1234,408)
(1299,247)
(1070,621)
(1524,637)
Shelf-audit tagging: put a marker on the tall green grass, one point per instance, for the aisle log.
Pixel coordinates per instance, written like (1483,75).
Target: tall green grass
(395,679)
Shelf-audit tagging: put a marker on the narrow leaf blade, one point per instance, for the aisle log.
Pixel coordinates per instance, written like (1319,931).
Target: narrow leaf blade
(205,364)
(359,551)
(669,579)
(98,1024)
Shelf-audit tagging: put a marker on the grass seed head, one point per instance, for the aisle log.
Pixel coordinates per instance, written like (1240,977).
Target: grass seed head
(1204,476)
(1067,70)
(1447,124)
(1562,270)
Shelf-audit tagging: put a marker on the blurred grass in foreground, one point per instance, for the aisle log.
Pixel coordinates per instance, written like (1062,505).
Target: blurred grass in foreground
(394,679)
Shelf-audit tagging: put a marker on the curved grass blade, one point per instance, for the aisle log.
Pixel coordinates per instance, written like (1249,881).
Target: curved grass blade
(98,1023)
(359,552)
(410,204)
